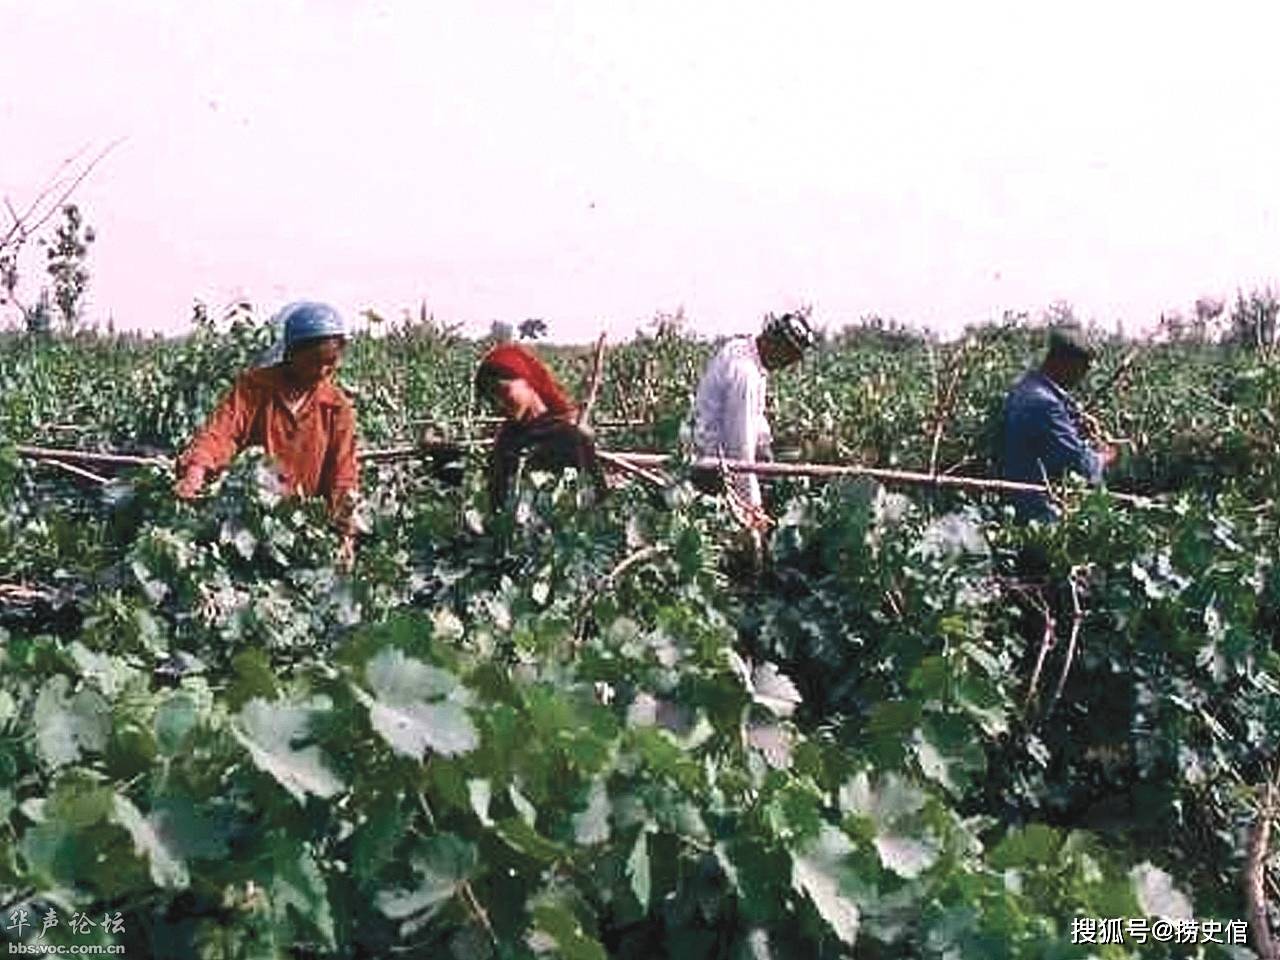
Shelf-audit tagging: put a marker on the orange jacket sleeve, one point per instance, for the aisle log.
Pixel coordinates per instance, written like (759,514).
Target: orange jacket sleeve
(224,433)
(344,467)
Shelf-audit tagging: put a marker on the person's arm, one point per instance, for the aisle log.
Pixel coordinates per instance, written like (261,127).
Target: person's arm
(1065,449)
(503,463)
(345,471)
(213,446)
(587,463)
(344,484)
(739,430)
(764,440)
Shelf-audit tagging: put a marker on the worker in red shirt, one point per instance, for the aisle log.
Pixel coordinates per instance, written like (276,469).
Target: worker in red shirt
(540,421)
(294,410)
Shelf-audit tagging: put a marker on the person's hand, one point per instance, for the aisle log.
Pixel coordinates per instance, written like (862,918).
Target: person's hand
(1107,455)
(750,515)
(757,519)
(346,557)
(189,485)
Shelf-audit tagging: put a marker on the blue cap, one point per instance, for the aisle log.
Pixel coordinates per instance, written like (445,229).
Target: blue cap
(305,320)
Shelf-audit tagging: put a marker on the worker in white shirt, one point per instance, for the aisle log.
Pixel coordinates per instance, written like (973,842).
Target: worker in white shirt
(729,413)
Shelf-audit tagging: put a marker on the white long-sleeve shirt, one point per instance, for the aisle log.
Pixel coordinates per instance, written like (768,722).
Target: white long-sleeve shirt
(728,414)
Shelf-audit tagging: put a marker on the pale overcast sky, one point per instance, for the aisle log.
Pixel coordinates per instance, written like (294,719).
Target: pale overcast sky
(593,162)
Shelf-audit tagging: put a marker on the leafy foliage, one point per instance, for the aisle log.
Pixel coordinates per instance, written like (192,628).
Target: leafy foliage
(564,732)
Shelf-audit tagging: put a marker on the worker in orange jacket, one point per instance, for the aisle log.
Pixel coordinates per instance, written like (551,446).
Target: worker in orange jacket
(294,410)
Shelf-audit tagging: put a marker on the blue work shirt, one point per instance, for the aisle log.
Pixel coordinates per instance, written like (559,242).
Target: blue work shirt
(1041,437)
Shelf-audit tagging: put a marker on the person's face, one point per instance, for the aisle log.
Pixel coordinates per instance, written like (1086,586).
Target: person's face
(313,362)
(517,399)
(778,354)
(1074,369)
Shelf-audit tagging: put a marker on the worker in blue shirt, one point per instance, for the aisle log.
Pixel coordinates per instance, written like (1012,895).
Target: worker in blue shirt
(1041,438)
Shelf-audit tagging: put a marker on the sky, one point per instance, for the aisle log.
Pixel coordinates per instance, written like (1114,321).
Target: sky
(593,163)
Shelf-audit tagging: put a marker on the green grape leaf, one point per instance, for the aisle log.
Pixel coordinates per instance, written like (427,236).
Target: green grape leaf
(817,875)
(167,868)
(298,883)
(190,830)
(440,866)
(638,871)
(774,691)
(174,721)
(407,709)
(905,856)
(67,726)
(518,834)
(557,924)
(1157,896)
(591,826)
(481,794)
(269,731)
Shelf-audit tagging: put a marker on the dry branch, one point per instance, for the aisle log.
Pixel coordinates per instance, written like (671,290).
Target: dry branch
(640,556)
(21,593)
(65,427)
(1047,641)
(80,472)
(21,229)
(945,402)
(477,910)
(593,386)
(1255,892)
(1077,619)
(837,470)
(487,421)
(415,451)
(89,456)
(637,458)
(612,577)
(637,471)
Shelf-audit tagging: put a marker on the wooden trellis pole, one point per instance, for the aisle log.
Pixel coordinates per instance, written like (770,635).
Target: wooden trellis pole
(839,470)
(639,459)
(615,423)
